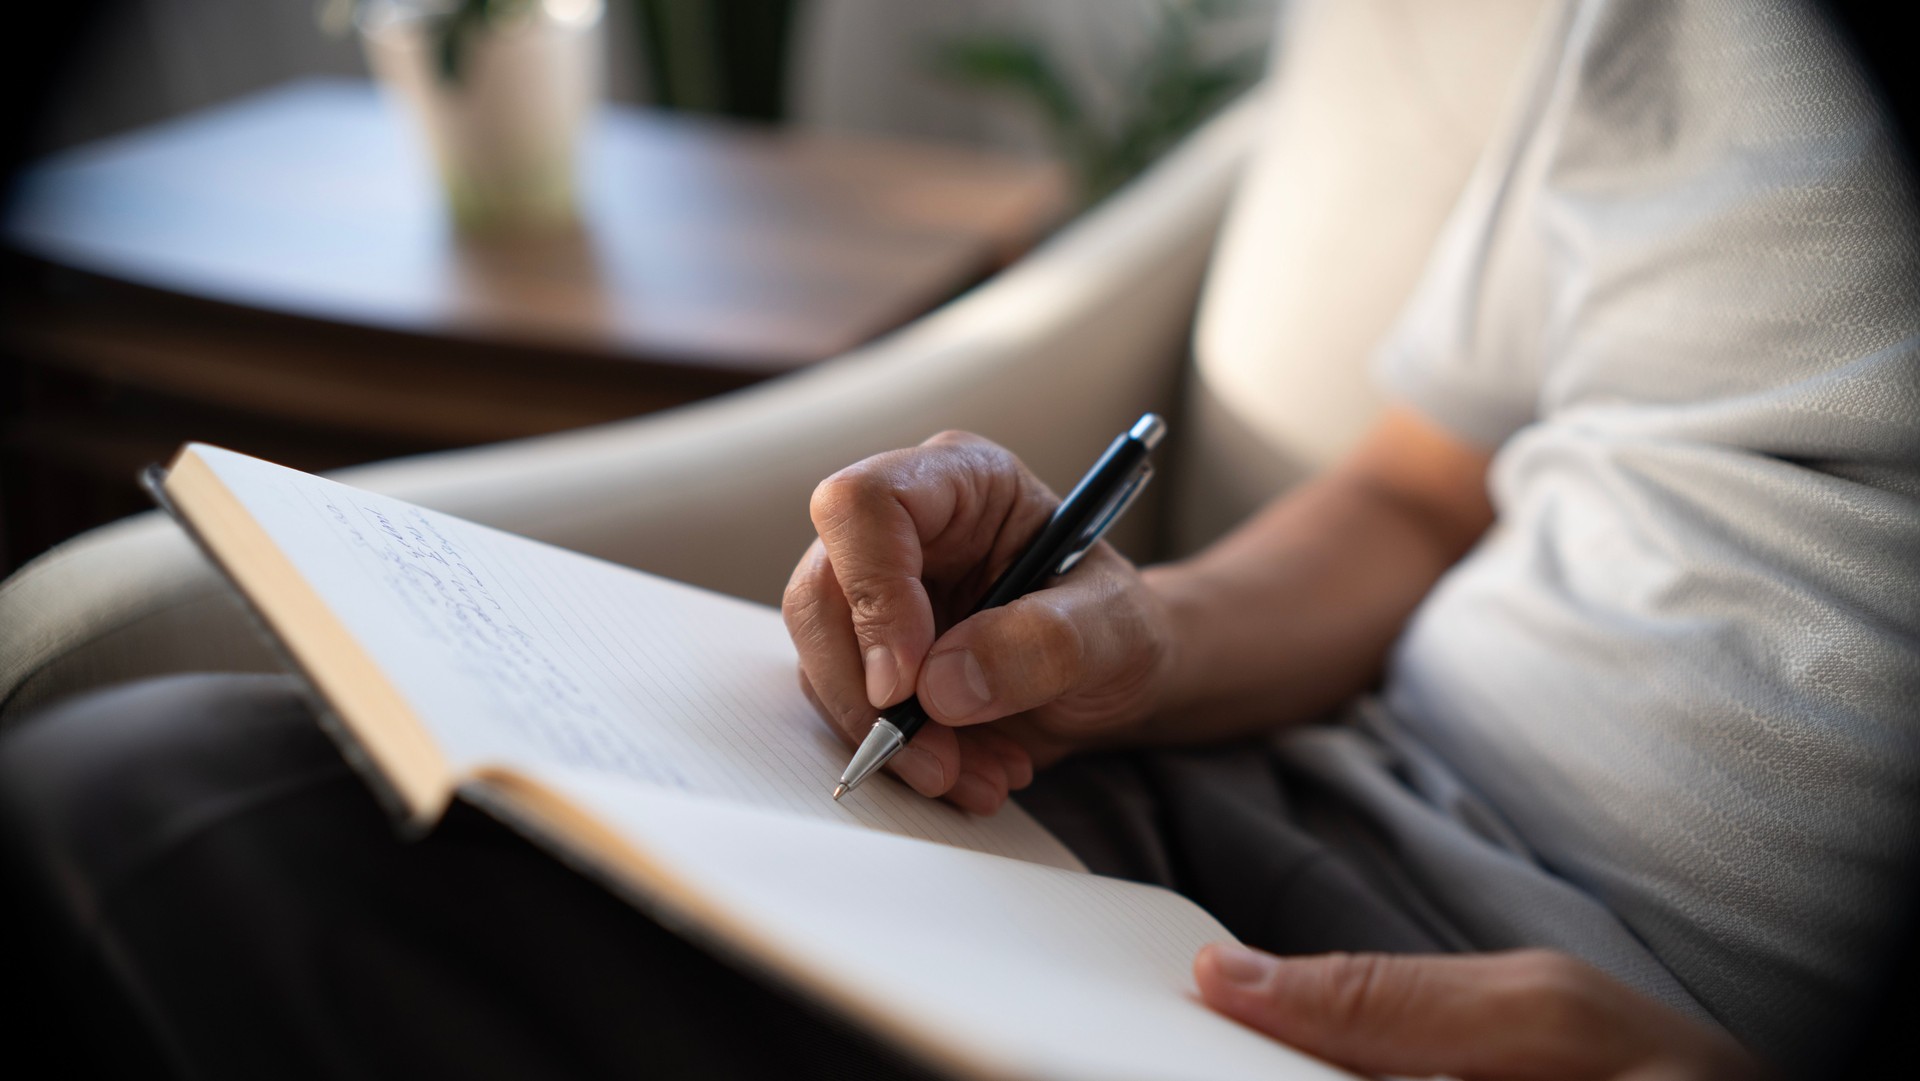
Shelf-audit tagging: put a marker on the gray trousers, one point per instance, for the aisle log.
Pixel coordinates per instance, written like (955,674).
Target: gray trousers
(211,892)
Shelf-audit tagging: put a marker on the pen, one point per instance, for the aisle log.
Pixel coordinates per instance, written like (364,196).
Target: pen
(1095,503)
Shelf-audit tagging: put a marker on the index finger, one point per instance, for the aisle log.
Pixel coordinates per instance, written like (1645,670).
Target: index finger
(877,519)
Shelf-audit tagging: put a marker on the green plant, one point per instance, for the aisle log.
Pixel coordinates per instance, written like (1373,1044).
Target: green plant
(718,56)
(1176,85)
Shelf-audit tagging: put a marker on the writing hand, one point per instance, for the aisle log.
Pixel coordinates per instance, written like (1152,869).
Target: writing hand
(1524,1015)
(909,541)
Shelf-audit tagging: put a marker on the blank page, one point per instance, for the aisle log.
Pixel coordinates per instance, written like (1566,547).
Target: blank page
(516,653)
(989,967)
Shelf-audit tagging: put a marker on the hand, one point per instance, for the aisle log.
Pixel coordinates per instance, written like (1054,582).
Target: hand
(909,542)
(1522,1015)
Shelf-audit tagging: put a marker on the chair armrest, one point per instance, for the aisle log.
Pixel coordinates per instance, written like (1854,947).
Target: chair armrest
(1051,357)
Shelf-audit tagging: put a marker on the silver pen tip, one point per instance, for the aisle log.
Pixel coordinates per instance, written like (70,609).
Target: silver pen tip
(838,791)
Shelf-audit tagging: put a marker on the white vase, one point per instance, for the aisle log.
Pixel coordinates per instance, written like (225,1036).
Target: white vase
(504,127)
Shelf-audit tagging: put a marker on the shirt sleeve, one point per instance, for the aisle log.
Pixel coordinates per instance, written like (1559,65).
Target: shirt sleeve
(1469,346)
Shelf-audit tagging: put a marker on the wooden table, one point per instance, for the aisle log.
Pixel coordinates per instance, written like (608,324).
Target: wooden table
(278,275)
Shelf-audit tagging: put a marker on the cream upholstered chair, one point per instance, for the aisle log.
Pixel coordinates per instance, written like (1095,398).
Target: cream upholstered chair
(1358,147)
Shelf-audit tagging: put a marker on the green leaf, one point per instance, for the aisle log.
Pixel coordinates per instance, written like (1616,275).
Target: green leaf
(1172,89)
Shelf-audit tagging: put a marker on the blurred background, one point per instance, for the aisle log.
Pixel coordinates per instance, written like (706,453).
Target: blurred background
(336,232)
(877,67)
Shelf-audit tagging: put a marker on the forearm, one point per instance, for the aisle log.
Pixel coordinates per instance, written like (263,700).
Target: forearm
(1295,612)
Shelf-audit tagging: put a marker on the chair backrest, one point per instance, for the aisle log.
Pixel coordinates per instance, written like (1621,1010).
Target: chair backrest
(1377,112)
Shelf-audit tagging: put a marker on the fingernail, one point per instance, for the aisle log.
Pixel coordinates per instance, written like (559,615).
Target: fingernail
(1240,965)
(955,685)
(883,676)
(919,768)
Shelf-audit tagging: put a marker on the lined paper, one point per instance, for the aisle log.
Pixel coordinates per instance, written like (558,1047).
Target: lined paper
(992,967)
(518,654)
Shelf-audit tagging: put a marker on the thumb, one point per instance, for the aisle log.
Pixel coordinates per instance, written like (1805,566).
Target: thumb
(1092,633)
(1525,1014)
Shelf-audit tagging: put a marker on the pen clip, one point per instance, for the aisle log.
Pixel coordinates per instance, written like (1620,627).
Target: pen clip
(1108,515)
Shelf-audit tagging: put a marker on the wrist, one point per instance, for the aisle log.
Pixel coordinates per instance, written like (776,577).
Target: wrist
(1178,599)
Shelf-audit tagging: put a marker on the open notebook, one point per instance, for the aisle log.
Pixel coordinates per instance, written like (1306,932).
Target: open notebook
(654,734)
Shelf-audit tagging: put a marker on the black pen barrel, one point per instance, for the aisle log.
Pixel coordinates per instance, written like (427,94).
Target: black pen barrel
(1097,490)
(1114,471)
(909,717)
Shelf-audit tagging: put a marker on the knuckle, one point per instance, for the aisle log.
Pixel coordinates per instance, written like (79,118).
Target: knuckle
(996,459)
(1057,634)
(1546,971)
(1558,991)
(1052,647)
(805,600)
(801,609)
(801,595)
(978,455)
(1354,988)
(1039,646)
(873,605)
(846,496)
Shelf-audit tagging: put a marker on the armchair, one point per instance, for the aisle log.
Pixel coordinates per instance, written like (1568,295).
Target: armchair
(1050,357)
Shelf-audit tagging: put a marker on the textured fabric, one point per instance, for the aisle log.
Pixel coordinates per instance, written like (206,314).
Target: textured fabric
(1227,827)
(1442,853)
(209,892)
(1685,667)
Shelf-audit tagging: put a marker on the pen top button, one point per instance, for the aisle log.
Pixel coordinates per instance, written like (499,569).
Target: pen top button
(1149,429)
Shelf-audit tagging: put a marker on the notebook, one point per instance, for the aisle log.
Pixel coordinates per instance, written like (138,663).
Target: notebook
(654,735)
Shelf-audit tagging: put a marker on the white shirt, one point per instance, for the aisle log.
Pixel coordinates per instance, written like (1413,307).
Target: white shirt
(1684,301)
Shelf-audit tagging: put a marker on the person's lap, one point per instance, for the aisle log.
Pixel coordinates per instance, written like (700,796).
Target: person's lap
(203,865)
